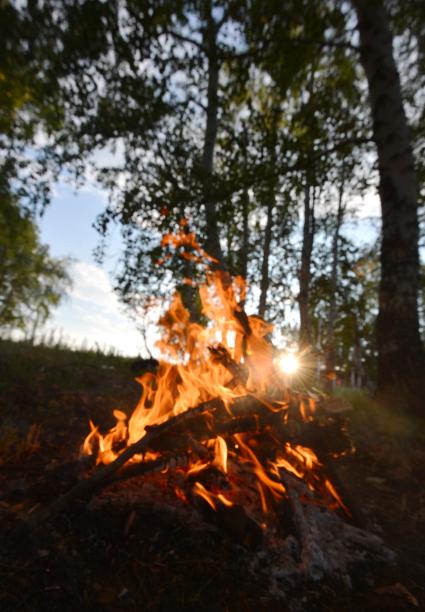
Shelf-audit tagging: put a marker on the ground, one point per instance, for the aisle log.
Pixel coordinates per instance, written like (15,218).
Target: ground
(140,551)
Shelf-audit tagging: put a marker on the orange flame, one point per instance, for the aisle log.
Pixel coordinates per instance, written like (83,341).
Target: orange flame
(209,497)
(220,454)
(189,375)
(275,488)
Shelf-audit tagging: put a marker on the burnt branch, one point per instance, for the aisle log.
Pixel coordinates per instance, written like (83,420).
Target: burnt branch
(209,419)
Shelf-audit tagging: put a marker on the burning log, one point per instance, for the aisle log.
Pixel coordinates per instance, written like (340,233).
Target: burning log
(103,474)
(232,518)
(219,354)
(312,562)
(201,423)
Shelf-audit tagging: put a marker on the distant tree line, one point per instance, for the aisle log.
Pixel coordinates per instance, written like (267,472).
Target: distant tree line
(257,122)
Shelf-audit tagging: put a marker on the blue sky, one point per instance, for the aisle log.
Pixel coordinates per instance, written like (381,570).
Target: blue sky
(91,314)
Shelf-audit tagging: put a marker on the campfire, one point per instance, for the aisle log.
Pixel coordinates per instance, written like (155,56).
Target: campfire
(220,386)
(228,424)
(224,401)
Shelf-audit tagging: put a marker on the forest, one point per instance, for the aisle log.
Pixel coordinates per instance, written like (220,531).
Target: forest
(270,153)
(265,128)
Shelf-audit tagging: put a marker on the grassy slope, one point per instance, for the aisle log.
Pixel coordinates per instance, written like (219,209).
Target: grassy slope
(58,390)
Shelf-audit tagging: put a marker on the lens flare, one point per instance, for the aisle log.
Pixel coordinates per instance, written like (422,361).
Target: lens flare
(288,363)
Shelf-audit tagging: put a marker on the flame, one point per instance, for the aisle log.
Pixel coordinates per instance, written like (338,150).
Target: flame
(336,496)
(220,454)
(210,497)
(276,489)
(219,461)
(190,376)
(227,358)
(303,463)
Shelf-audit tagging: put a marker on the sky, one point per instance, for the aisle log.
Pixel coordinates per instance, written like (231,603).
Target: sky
(91,315)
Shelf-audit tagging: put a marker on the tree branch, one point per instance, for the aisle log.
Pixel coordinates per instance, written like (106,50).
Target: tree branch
(185,39)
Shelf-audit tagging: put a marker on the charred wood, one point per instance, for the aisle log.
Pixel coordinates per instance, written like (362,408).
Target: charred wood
(329,545)
(206,421)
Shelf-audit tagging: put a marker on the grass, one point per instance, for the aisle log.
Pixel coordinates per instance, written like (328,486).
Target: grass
(55,364)
(386,419)
(58,389)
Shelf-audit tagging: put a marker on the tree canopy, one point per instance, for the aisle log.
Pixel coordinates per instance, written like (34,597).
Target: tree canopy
(253,125)
(31,281)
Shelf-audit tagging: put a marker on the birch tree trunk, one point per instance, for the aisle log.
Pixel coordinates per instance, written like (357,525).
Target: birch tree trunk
(243,256)
(305,273)
(265,280)
(357,362)
(245,207)
(401,357)
(210,43)
(330,340)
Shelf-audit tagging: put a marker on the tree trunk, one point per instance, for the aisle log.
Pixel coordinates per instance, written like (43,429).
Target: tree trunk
(35,325)
(401,357)
(264,283)
(358,364)
(245,209)
(213,246)
(330,340)
(304,275)
(243,259)
(189,293)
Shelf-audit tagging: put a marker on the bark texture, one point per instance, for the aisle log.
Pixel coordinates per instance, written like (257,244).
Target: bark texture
(265,278)
(330,340)
(210,43)
(305,273)
(401,358)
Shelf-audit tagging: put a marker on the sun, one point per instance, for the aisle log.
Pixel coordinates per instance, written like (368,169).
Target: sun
(288,363)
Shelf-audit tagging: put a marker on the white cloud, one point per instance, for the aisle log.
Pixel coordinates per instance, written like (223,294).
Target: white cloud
(92,284)
(93,314)
(91,187)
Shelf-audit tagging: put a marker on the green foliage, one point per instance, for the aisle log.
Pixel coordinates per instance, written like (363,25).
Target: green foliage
(131,79)
(31,282)
(32,103)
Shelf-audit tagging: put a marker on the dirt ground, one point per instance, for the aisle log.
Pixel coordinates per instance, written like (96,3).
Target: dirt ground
(127,551)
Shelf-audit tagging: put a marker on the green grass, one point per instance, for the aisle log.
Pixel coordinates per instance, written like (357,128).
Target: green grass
(368,414)
(57,364)
(58,390)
